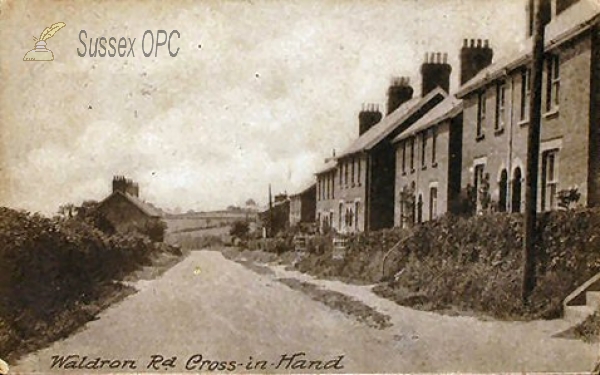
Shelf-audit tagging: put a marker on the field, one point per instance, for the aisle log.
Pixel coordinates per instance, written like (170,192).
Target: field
(203,220)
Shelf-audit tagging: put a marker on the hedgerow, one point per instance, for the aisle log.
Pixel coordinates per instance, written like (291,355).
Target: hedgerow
(52,264)
(473,263)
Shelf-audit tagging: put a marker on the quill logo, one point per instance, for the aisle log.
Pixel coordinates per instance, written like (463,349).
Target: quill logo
(40,52)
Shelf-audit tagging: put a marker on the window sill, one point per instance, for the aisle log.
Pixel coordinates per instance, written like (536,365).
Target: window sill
(523,123)
(499,131)
(551,113)
(480,137)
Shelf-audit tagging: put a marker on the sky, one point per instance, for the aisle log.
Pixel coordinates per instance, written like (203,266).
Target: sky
(260,91)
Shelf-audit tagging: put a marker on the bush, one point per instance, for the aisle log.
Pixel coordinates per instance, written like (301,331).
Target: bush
(473,263)
(49,265)
(155,230)
(240,229)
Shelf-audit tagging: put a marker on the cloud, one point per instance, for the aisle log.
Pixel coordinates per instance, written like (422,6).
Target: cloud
(273,89)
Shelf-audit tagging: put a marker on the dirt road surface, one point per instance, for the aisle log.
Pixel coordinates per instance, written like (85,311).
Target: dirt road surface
(210,306)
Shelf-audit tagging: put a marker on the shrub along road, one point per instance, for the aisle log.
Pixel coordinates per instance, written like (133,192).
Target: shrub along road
(234,317)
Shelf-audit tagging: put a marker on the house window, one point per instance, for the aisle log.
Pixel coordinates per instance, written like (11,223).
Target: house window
(404,157)
(333,184)
(549,179)
(353,170)
(433,203)
(433,146)
(530,17)
(318,189)
(345,174)
(423,150)
(339,170)
(525,93)
(420,209)
(553,83)
(412,154)
(358,176)
(500,105)
(340,217)
(356,207)
(481,112)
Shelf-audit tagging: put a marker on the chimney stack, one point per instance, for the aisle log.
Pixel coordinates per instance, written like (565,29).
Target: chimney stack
(368,116)
(125,186)
(398,93)
(475,55)
(435,72)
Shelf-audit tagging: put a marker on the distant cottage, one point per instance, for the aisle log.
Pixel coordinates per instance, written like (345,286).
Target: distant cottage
(302,206)
(126,212)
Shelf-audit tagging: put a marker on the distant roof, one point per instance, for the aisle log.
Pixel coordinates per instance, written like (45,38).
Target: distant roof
(448,108)
(327,166)
(389,123)
(570,23)
(145,207)
(305,189)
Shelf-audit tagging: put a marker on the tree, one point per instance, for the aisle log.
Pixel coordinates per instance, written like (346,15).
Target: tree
(239,229)
(67,210)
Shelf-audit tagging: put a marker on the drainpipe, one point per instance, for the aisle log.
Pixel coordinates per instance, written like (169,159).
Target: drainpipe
(510,147)
(367,209)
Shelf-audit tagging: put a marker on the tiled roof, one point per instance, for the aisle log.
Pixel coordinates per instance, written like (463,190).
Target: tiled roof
(389,123)
(145,207)
(327,166)
(305,189)
(448,108)
(565,26)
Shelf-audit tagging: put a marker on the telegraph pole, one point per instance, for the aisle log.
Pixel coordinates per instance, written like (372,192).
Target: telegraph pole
(541,17)
(270,229)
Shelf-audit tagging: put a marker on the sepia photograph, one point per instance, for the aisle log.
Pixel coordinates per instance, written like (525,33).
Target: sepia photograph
(299,186)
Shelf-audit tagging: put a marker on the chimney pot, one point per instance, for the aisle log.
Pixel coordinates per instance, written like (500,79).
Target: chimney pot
(474,59)
(465,42)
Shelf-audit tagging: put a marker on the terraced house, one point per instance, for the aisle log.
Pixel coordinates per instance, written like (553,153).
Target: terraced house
(355,191)
(429,152)
(496,115)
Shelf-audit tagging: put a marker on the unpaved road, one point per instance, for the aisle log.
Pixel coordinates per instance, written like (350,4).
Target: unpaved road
(215,307)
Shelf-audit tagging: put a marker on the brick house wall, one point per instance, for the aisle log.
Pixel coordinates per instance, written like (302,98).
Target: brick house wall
(565,128)
(435,181)
(349,205)
(326,191)
(594,159)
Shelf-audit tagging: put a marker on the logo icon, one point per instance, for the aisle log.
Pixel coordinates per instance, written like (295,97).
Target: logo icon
(40,52)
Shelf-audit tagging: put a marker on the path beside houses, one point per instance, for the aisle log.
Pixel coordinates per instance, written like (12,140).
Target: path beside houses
(218,308)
